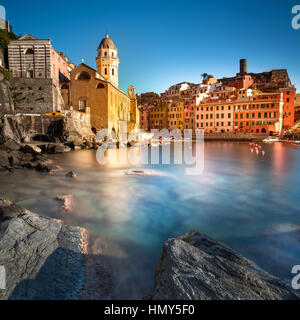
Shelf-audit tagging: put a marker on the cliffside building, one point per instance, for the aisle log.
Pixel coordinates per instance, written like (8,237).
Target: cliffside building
(37,70)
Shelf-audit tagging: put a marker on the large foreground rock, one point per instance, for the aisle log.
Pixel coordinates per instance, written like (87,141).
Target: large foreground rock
(197,267)
(45,259)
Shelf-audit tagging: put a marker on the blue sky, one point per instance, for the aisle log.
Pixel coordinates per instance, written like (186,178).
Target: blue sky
(164,42)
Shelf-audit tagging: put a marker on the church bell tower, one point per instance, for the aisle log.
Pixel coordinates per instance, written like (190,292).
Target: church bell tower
(108,61)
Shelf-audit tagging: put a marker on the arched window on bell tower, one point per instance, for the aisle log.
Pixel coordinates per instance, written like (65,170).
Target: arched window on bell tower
(107,60)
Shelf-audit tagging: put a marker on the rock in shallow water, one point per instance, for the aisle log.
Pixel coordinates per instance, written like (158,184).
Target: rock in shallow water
(197,267)
(42,258)
(71,174)
(45,259)
(57,148)
(68,202)
(146,173)
(31,148)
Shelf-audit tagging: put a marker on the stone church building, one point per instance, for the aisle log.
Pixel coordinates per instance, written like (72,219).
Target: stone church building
(38,70)
(98,90)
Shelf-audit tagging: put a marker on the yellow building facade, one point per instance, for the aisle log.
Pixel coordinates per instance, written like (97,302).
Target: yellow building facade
(158,115)
(98,90)
(176,115)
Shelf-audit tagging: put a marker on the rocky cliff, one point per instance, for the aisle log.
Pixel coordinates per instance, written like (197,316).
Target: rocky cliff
(6,102)
(195,266)
(30,127)
(24,136)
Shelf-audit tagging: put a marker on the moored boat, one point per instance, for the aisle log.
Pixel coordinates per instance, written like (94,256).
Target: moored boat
(271,139)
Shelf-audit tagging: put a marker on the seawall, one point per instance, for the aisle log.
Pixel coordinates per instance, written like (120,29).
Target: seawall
(230,136)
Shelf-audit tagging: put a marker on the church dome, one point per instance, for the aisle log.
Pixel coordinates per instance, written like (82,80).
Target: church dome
(107,43)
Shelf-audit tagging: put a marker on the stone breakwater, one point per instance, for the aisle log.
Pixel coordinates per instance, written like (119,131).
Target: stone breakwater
(233,136)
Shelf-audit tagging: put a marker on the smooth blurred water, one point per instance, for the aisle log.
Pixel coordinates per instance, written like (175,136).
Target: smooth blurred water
(250,202)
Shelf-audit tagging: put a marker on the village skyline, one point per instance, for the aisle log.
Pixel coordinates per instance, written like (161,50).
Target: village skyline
(160,46)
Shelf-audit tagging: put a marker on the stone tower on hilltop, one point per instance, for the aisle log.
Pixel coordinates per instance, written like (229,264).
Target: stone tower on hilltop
(108,61)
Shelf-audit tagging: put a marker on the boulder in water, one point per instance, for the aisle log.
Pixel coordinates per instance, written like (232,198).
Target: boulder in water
(42,258)
(71,174)
(31,148)
(197,267)
(68,202)
(57,148)
(44,167)
(60,148)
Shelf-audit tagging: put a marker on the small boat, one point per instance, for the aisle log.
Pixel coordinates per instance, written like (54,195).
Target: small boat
(271,139)
(155,143)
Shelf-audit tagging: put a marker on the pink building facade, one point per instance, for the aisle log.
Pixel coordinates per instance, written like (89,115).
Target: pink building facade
(214,117)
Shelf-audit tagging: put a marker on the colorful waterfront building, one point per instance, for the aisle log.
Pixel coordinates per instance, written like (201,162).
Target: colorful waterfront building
(175,90)
(176,114)
(189,113)
(260,114)
(158,114)
(297,107)
(288,107)
(214,117)
(144,117)
(259,103)
(147,98)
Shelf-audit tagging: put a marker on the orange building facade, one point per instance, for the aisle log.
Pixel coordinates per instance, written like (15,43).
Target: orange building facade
(214,117)
(176,115)
(189,114)
(158,115)
(261,114)
(288,107)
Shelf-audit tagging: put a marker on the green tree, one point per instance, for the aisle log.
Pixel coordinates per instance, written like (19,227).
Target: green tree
(5,38)
(204,76)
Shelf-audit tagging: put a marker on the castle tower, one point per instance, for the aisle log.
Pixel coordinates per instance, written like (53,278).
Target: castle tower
(243,67)
(108,61)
